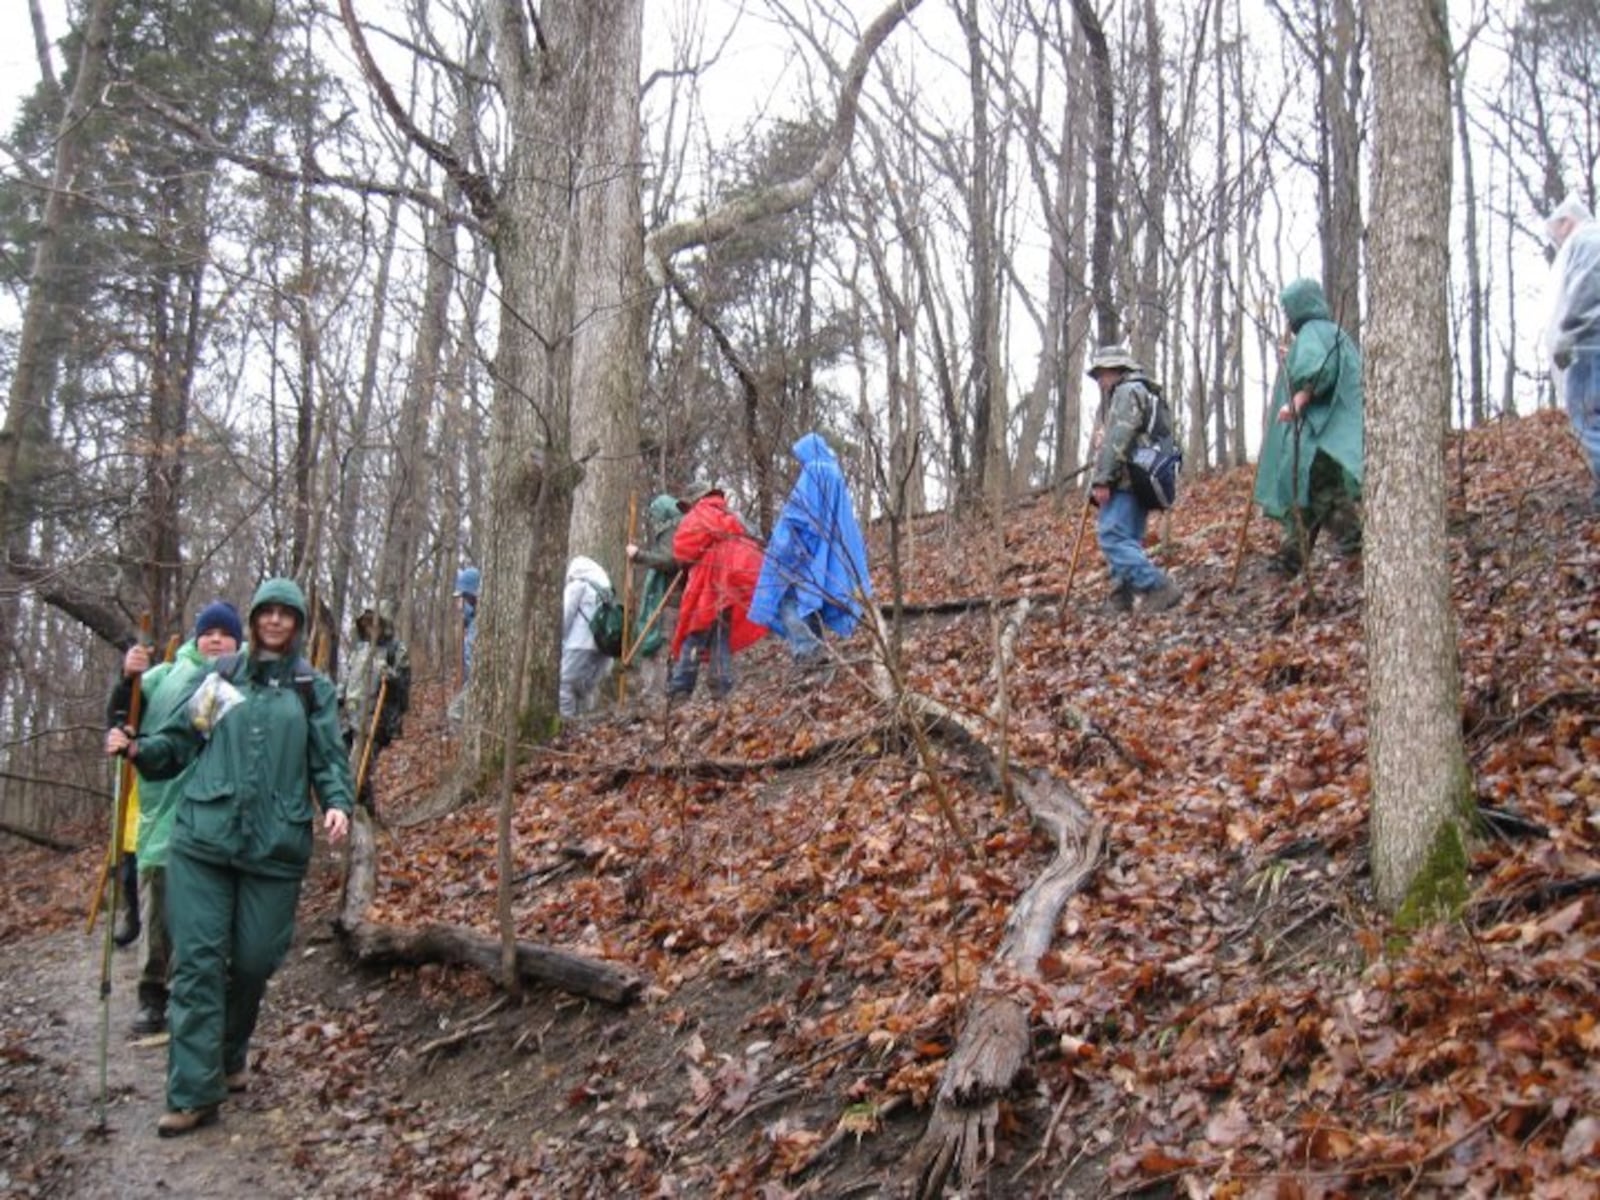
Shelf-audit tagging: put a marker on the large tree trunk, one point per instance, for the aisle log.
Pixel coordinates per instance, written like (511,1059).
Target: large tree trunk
(1421,787)
(612,302)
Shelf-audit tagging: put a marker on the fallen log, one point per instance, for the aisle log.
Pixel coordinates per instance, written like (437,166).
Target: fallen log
(38,838)
(994,1043)
(375,944)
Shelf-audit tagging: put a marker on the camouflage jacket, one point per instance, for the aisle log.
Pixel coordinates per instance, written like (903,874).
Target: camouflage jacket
(1124,423)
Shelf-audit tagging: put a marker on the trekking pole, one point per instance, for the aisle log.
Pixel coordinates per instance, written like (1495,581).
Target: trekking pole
(627,596)
(654,617)
(113,867)
(372,735)
(1077,549)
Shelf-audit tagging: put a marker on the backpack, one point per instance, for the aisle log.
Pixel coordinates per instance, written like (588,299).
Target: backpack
(1156,461)
(396,696)
(607,622)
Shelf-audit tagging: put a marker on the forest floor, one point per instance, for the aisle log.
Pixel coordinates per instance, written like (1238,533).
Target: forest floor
(812,899)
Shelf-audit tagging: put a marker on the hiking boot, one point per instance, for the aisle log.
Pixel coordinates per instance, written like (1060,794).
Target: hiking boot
(1162,597)
(176,1123)
(238,1081)
(1284,563)
(127,931)
(149,1020)
(1120,600)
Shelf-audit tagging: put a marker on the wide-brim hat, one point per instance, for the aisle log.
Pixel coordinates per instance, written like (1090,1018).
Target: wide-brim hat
(698,491)
(1112,358)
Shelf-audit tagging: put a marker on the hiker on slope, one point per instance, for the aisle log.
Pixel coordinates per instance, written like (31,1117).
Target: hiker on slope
(1127,398)
(816,562)
(1313,455)
(378,665)
(1573,334)
(262,730)
(584,667)
(661,588)
(217,632)
(723,562)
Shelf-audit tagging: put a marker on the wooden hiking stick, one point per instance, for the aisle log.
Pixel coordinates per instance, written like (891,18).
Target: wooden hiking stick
(372,734)
(119,815)
(1077,549)
(654,617)
(627,596)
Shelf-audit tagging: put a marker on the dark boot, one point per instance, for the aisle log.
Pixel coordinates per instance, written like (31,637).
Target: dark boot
(1120,600)
(149,1021)
(128,929)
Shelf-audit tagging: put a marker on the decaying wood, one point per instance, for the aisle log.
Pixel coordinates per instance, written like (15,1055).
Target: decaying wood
(38,838)
(375,944)
(994,1043)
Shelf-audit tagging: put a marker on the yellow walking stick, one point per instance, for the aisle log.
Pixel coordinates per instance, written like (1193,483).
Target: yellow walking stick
(372,734)
(1077,549)
(627,597)
(654,617)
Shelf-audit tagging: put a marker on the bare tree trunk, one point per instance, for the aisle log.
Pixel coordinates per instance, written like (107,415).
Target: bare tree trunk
(609,355)
(1107,326)
(1339,110)
(353,465)
(1421,786)
(44,327)
(1477,399)
(987,376)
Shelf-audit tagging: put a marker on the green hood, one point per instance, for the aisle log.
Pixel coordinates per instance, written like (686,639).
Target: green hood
(286,592)
(1303,300)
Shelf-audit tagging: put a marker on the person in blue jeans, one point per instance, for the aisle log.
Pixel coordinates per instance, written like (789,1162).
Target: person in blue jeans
(1573,335)
(1127,395)
(815,572)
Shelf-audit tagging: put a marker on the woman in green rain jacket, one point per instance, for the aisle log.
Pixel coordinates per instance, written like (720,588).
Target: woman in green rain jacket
(1317,403)
(265,728)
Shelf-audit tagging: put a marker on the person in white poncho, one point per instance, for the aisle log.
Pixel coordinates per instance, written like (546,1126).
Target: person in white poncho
(1573,335)
(583,666)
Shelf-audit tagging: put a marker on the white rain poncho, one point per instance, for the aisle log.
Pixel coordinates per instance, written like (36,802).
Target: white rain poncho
(583,667)
(1575,287)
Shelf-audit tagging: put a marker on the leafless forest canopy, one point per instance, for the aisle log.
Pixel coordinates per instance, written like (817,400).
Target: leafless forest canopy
(360,291)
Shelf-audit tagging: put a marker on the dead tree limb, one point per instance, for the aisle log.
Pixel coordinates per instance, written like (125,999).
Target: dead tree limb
(374,944)
(38,838)
(994,1043)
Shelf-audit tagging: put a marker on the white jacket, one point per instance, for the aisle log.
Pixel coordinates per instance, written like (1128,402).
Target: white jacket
(579,602)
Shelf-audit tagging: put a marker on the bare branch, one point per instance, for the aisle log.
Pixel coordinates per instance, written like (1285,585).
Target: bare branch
(788,196)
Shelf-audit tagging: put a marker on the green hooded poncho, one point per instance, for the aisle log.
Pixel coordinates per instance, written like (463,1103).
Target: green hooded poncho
(1323,360)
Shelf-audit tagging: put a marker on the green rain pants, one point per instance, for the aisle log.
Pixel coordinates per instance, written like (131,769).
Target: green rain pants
(230,930)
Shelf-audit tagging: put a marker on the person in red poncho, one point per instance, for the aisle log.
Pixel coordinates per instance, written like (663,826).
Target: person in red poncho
(723,562)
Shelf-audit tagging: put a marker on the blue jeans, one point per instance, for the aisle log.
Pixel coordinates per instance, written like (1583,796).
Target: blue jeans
(1121,533)
(1581,384)
(713,642)
(804,634)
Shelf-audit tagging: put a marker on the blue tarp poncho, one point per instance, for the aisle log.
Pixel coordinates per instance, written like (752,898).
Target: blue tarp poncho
(816,549)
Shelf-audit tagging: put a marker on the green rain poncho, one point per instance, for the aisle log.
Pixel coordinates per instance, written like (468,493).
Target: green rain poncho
(1323,360)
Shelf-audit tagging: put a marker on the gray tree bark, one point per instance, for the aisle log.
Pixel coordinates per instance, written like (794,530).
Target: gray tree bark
(1421,786)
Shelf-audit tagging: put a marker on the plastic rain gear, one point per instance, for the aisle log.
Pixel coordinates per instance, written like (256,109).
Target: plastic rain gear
(1323,361)
(816,552)
(583,666)
(724,564)
(241,842)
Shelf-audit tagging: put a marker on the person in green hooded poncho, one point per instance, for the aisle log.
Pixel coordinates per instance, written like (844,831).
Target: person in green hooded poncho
(262,730)
(1313,454)
(658,593)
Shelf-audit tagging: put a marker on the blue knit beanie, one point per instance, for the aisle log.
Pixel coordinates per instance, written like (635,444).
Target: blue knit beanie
(219,614)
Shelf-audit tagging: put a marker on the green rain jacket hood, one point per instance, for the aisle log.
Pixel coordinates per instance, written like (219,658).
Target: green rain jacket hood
(1324,361)
(247,803)
(287,593)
